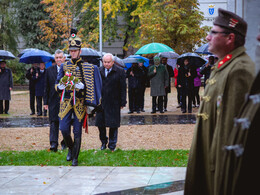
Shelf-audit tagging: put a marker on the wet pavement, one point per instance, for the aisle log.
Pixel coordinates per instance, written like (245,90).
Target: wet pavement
(22,122)
(91,180)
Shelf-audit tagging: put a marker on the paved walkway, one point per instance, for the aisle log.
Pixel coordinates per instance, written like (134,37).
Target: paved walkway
(91,180)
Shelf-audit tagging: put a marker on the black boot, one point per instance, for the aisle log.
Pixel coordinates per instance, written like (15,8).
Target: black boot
(75,151)
(69,143)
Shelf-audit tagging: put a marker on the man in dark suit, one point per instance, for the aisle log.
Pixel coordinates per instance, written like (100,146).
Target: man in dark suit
(30,74)
(134,75)
(113,99)
(52,100)
(167,89)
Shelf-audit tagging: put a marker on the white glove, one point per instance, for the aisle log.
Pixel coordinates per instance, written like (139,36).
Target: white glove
(79,85)
(61,86)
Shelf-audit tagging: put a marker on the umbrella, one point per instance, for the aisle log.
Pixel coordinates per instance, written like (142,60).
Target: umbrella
(119,62)
(203,49)
(135,59)
(194,58)
(36,56)
(154,48)
(26,50)
(170,55)
(6,55)
(141,59)
(89,52)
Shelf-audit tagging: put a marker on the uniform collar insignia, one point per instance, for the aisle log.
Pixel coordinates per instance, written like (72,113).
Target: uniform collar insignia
(225,59)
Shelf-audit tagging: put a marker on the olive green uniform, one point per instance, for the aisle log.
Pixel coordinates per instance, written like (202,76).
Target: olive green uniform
(223,98)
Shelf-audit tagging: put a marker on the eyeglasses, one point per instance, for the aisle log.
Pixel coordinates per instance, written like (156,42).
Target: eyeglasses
(212,32)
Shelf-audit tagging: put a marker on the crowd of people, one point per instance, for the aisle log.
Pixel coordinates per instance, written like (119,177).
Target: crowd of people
(227,127)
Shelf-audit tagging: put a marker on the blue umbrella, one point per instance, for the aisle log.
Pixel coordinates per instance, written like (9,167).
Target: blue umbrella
(203,49)
(135,59)
(36,56)
(25,50)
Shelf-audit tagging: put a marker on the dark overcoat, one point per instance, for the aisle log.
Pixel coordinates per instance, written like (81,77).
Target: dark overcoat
(6,82)
(183,80)
(30,76)
(134,81)
(113,97)
(51,96)
(171,74)
(39,85)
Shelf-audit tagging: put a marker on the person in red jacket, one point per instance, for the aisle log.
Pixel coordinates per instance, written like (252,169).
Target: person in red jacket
(176,85)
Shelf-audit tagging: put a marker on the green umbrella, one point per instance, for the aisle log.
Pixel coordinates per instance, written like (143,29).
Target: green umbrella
(153,48)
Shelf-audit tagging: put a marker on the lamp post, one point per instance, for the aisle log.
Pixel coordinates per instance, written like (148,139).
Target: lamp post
(100,26)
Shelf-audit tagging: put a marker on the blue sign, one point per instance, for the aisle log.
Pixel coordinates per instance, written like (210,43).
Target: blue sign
(211,10)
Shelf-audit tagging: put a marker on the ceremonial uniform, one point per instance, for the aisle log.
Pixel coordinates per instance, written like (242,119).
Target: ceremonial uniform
(223,98)
(74,100)
(240,166)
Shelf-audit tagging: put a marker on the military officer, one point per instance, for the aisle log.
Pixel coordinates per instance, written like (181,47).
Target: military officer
(80,86)
(240,161)
(223,97)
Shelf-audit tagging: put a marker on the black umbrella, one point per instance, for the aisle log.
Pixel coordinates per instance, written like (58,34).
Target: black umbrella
(26,50)
(89,52)
(193,58)
(203,49)
(6,55)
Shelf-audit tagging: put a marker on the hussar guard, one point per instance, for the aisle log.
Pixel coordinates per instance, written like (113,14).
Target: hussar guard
(80,86)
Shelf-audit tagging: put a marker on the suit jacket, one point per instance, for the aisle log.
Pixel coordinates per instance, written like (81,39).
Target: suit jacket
(171,74)
(40,82)
(51,96)
(113,97)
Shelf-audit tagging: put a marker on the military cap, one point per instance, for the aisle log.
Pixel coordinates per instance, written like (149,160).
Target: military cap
(74,41)
(231,21)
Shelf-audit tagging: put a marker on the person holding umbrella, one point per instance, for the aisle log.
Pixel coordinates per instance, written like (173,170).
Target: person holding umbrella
(134,75)
(206,69)
(30,74)
(6,85)
(80,86)
(185,80)
(39,88)
(159,81)
(167,89)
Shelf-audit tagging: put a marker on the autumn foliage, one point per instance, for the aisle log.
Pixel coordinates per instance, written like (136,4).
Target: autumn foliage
(176,23)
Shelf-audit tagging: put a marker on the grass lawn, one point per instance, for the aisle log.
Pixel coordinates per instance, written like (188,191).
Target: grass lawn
(139,158)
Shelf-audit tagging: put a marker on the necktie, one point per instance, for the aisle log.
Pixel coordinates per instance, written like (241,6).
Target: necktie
(107,71)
